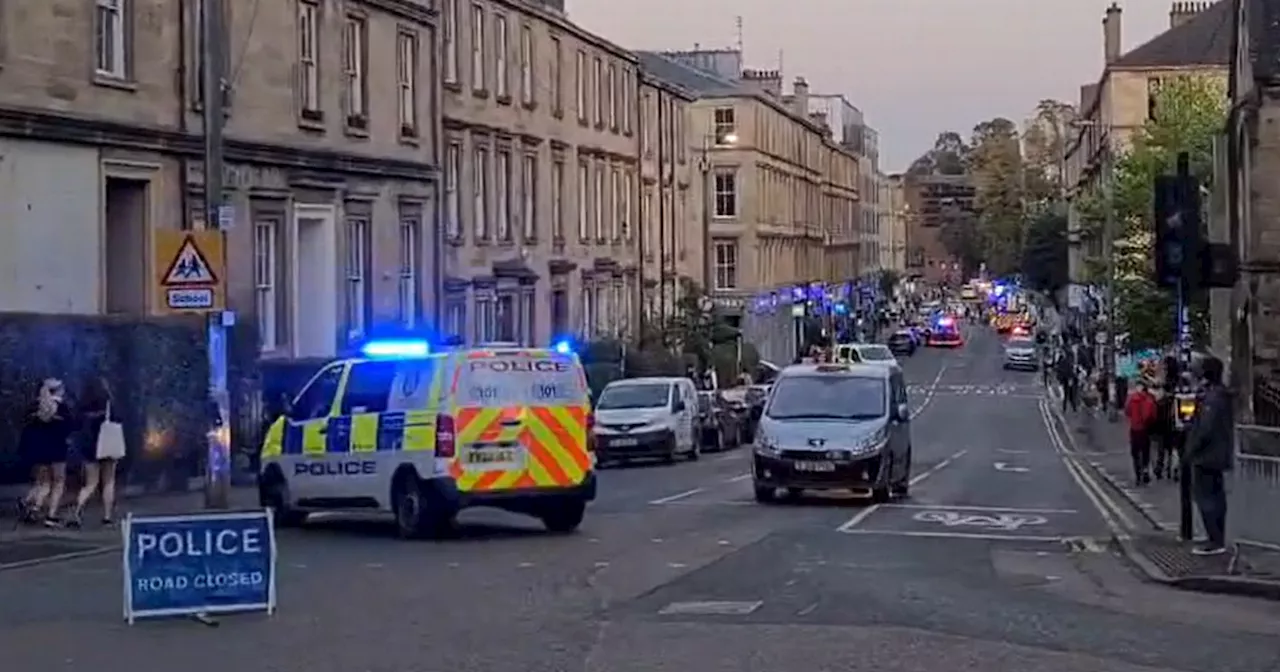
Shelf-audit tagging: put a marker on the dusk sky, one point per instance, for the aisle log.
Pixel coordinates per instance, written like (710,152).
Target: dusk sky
(914,67)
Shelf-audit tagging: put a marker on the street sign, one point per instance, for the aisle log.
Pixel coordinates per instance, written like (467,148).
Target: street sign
(199,564)
(191,276)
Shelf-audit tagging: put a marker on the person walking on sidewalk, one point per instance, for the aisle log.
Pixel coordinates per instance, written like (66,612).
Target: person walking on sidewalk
(45,443)
(1066,370)
(1209,450)
(102,445)
(1165,431)
(1140,411)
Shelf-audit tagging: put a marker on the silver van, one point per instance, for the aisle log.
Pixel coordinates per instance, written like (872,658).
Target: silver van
(834,427)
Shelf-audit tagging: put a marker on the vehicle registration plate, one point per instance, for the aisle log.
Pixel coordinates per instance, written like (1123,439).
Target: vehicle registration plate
(624,443)
(494,458)
(815,466)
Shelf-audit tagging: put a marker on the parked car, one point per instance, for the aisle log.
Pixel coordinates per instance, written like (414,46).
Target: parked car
(903,342)
(717,428)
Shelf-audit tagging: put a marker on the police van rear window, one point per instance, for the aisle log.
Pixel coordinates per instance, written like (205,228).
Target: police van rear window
(520,381)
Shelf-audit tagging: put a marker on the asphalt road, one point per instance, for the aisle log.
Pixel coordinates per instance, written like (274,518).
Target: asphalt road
(999,561)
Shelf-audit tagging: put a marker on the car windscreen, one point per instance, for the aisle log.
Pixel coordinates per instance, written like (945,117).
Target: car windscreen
(875,353)
(520,380)
(634,395)
(827,397)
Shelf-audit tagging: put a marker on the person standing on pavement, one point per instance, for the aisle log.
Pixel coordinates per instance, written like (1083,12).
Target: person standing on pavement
(102,445)
(1165,431)
(45,442)
(1140,411)
(1210,450)
(1067,378)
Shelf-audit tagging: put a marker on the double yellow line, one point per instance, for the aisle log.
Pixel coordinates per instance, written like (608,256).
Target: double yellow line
(1117,520)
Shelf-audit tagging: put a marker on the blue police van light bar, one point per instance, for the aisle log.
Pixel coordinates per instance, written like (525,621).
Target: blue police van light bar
(563,347)
(395,348)
(945,322)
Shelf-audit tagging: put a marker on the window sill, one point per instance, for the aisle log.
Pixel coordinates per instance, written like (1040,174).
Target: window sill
(583,123)
(503,99)
(409,136)
(114,82)
(529,105)
(482,240)
(558,114)
(482,94)
(311,120)
(455,87)
(455,240)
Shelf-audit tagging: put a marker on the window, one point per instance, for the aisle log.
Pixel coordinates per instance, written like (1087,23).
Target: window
(357,268)
(316,401)
(611,89)
(615,199)
(502,190)
(559,313)
(588,311)
(410,299)
(557,200)
(584,189)
(726,256)
(646,125)
(111,33)
(407,80)
(726,194)
(557,76)
(355,68)
(597,84)
(368,388)
(480,182)
(725,127)
(598,203)
(455,317)
(677,129)
(452,198)
(450,19)
(309,58)
(501,48)
(648,231)
(628,87)
(264,282)
(1153,95)
(526,65)
(477,48)
(599,298)
(625,212)
(484,319)
(580,78)
(507,319)
(529,197)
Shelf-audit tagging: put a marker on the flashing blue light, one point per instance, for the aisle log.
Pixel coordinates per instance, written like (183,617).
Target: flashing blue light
(393,349)
(945,322)
(841,309)
(563,347)
(999,290)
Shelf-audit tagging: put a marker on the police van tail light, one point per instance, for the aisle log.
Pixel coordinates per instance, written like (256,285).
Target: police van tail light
(591,433)
(446,437)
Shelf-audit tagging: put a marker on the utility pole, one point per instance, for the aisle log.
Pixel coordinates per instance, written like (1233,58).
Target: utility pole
(213,80)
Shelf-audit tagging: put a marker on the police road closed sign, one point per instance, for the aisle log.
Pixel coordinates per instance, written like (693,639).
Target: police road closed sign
(200,563)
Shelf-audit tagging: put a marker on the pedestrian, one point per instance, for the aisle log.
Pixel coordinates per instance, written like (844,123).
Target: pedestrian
(1209,450)
(45,443)
(102,445)
(1140,411)
(1068,380)
(1165,431)
(1122,391)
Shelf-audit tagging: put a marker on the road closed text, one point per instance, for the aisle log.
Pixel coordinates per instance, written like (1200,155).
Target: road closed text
(194,551)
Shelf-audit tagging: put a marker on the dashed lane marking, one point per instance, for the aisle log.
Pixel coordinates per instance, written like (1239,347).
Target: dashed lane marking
(678,496)
(711,608)
(938,467)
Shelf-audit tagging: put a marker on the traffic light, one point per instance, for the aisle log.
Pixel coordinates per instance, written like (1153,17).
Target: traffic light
(1178,239)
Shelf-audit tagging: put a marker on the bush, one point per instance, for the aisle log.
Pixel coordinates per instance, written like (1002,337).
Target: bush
(158,369)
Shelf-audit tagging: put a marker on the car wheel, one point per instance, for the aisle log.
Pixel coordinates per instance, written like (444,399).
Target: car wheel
(903,487)
(882,494)
(765,494)
(415,517)
(276,495)
(672,453)
(564,517)
(695,452)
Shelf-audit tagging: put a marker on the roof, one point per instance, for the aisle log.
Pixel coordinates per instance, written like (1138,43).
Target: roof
(1206,40)
(647,380)
(858,370)
(700,82)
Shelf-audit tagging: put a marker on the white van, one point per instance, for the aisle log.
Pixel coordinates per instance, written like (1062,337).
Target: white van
(640,418)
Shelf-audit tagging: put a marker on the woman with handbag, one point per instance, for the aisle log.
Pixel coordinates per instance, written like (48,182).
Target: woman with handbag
(45,442)
(103,450)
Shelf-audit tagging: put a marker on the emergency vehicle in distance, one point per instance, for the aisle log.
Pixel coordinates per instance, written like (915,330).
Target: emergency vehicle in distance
(423,435)
(945,333)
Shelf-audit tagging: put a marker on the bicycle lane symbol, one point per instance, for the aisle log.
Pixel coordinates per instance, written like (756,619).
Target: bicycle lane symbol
(1006,522)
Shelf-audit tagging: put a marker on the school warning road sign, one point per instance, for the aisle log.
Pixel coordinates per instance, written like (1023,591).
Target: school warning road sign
(191,273)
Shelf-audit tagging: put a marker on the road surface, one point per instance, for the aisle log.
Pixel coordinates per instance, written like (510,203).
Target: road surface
(999,562)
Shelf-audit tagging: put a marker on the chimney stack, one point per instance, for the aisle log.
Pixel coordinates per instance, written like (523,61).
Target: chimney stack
(1182,12)
(1111,34)
(800,96)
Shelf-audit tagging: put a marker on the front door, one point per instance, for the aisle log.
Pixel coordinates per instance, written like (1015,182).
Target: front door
(306,441)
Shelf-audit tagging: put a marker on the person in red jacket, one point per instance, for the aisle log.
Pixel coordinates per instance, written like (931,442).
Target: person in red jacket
(1140,411)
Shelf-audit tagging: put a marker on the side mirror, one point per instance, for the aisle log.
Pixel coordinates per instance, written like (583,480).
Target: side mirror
(679,406)
(903,413)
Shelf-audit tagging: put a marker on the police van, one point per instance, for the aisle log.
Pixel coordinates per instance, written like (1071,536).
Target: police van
(424,435)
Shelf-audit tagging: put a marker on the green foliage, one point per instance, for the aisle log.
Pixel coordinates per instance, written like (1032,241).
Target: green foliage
(1044,258)
(997,172)
(1189,112)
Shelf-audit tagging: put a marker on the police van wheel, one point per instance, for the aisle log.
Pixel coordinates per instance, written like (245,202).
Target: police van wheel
(564,517)
(415,518)
(276,495)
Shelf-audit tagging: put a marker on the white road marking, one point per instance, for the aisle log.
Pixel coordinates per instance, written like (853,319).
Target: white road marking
(717,608)
(741,477)
(807,610)
(1110,512)
(857,520)
(1005,466)
(930,393)
(678,496)
(1006,451)
(937,467)
(957,535)
(1006,509)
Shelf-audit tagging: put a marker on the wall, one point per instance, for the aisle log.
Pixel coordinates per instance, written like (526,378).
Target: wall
(51,236)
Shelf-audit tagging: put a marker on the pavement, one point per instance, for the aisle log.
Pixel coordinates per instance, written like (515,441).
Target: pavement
(1001,560)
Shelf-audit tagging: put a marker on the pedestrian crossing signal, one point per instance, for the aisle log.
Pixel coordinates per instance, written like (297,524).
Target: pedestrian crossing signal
(189,267)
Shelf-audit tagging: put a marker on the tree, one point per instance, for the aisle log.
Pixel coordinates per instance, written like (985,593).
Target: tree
(995,165)
(1044,257)
(962,240)
(1043,147)
(1189,111)
(948,157)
